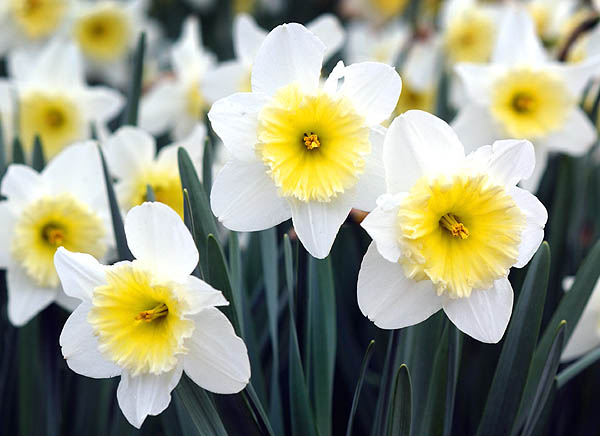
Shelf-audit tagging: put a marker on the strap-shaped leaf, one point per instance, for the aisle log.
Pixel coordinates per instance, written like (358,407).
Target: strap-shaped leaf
(401,413)
(359,384)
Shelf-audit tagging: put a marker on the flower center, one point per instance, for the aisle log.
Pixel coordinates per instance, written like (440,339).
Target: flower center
(530,103)
(306,165)
(311,141)
(52,222)
(470,37)
(454,226)
(54,117)
(139,323)
(465,249)
(38,18)
(103,32)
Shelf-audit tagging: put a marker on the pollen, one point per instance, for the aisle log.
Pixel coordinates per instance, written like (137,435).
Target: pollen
(530,103)
(139,322)
(306,165)
(38,18)
(311,141)
(52,222)
(460,232)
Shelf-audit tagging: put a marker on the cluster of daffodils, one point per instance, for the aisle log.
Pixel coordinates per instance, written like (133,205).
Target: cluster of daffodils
(298,135)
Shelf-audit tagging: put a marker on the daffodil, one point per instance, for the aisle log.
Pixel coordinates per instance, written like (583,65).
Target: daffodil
(53,99)
(586,335)
(106,31)
(63,206)
(31,22)
(149,320)
(524,95)
(233,76)
(448,230)
(379,44)
(132,159)
(180,102)
(298,148)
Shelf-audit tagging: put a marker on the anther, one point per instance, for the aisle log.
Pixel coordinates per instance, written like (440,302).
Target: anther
(455,227)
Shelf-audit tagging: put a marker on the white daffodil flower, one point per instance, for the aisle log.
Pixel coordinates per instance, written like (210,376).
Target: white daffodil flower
(586,335)
(378,44)
(28,23)
(524,95)
(64,205)
(300,149)
(233,76)
(131,157)
(149,320)
(180,102)
(106,31)
(448,230)
(53,99)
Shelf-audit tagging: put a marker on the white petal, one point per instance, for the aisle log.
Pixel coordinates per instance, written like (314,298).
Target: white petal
(244,197)
(161,106)
(536,217)
(187,49)
(7,222)
(193,144)
(290,53)
(225,79)
(79,273)
(128,151)
(586,334)
(578,76)
(511,161)
(373,88)
(541,160)
(382,226)
(21,185)
(416,144)
(485,314)
(390,299)
(78,170)
(575,137)
(217,359)
(247,38)
(372,182)
(517,40)
(476,79)
(235,120)
(329,30)
(79,347)
(157,236)
(102,103)
(25,298)
(67,303)
(201,295)
(59,64)
(146,394)
(475,127)
(317,223)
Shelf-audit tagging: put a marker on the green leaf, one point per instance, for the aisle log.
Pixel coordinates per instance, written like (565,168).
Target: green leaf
(130,116)
(218,277)
(434,416)
(207,166)
(575,368)
(115,213)
(237,282)
(202,218)
(569,309)
(547,380)
(17,152)
(269,257)
(359,384)
(454,352)
(322,308)
(38,160)
(511,371)
(199,407)
(301,415)
(385,382)
(401,413)
(150,193)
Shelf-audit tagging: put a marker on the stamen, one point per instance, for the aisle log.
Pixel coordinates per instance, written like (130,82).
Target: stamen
(311,141)
(455,227)
(523,102)
(54,118)
(148,315)
(54,235)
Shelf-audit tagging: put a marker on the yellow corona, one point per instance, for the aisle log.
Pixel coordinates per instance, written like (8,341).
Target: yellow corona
(103,33)
(165,184)
(38,18)
(470,37)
